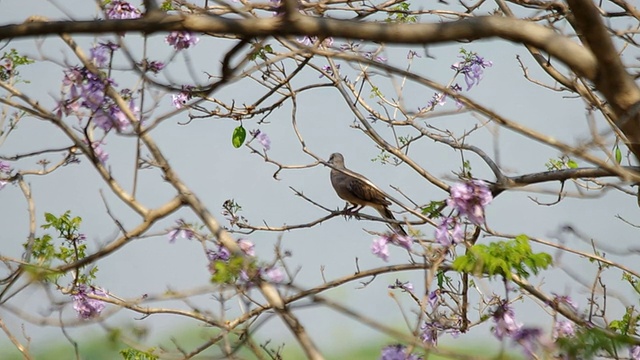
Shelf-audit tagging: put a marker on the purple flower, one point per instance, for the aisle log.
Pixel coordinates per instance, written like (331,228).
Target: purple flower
(86,307)
(429,333)
(437,99)
(118,9)
(264,140)
(247,247)
(222,254)
(99,152)
(180,100)
(380,248)
(328,70)
(5,167)
(397,352)
(433,297)
(101,53)
(528,338)
(273,275)
(155,66)
(181,39)
(114,117)
(565,299)
(182,230)
(634,352)
(470,199)
(472,66)
(306,40)
(563,329)
(449,232)
(402,241)
(405,286)
(505,322)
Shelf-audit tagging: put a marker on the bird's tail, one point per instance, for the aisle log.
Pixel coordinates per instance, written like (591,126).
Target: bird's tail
(387,214)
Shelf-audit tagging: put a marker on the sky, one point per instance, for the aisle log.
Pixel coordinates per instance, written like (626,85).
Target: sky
(202,154)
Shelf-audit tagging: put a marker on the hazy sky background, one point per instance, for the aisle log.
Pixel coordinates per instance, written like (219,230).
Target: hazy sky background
(203,156)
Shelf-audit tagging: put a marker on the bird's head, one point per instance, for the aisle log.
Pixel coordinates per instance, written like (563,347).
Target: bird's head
(336,159)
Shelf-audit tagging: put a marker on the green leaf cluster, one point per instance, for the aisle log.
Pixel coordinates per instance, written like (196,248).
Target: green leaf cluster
(628,324)
(228,272)
(400,14)
(67,248)
(591,343)
(432,210)
(133,354)
(260,51)
(503,258)
(561,163)
(16,60)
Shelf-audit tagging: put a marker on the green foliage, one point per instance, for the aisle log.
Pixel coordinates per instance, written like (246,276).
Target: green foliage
(632,280)
(10,62)
(228,272)
(503,258)
(260,51)
(400,14)
(133,354)
(628,324)
(238,137)
(375,92)
(589,343)
(563,162)
(618,154)
(167,5)
(433,209)
(67,248)
(466,169)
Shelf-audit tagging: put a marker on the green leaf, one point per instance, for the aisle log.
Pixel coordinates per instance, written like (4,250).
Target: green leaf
(572,164)
(166,5)
(432,210)
(133,354)
(239,135)
(503,258)
(618,154)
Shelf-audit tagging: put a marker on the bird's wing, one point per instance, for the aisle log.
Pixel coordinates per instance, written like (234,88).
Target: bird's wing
(366,192)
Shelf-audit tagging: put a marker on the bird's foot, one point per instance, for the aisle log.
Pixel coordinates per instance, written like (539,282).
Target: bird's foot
(349,212)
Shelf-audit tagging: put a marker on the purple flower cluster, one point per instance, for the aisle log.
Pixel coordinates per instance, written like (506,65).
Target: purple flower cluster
(262,138)
(449,232)
(101,53)
(268,273)
(310,40)
(180,100)
(505,321)
(397,352)
(5,168)
(100,153)
(380,246)
(472,66)
(118,9)
(181,39)
(470,199)
(181,230)
(86,90)
(328,70)
(467,199)
(85,306)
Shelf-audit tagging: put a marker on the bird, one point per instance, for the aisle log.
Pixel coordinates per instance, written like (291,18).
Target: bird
(359,191)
